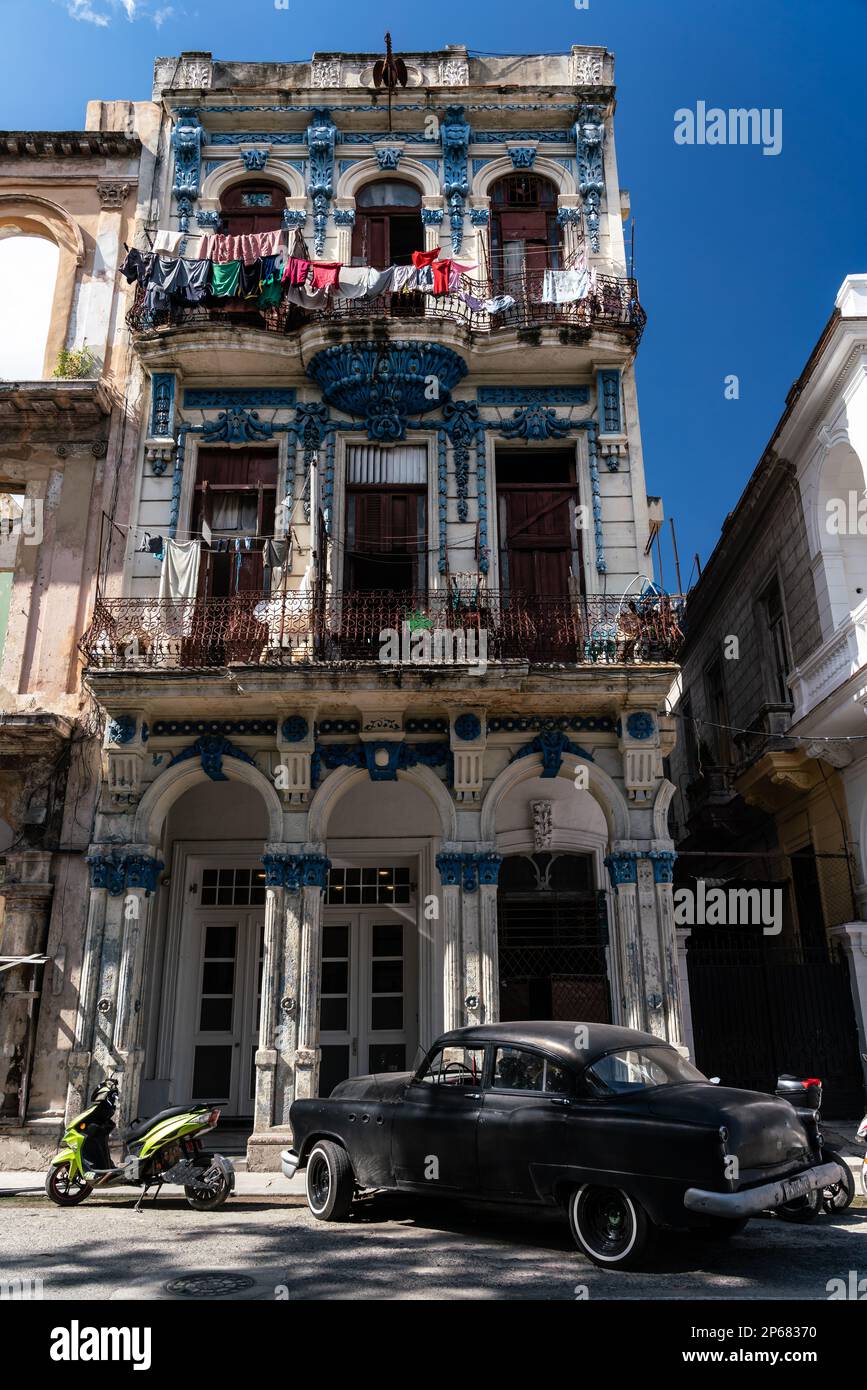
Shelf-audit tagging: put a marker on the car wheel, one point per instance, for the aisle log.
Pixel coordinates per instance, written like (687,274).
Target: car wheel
(802,1210)
(841,1194)
(330,1182)
(719,1228)
(609,1226)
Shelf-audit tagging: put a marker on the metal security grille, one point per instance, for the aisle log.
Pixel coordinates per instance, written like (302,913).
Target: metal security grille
(552,953)
(760,1008)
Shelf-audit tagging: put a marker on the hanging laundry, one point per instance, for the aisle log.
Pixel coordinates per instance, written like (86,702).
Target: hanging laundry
(270,288)
(420,258)
(295,271)
(168,243)
(179,582)
(250,247)
(458,271)
(277,562)
(326,274)
(156,545)
(499,303)
(305,298)
(475,304)
(225,279)
(249,280)
(423,279)
(442,276)
(564,286)
(175,283)
(137,265)
(402,276)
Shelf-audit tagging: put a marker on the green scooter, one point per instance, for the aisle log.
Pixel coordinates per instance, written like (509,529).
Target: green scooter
(164,1149)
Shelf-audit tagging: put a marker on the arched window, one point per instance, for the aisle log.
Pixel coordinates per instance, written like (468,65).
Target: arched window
(388,225)
(525,237)
(28,273)
(252,207)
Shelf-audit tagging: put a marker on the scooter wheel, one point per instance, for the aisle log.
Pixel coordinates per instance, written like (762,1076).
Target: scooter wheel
(63,1189)
(839,1195)
(215,1196)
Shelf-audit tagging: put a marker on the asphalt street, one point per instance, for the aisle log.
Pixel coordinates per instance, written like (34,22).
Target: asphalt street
(270,1247)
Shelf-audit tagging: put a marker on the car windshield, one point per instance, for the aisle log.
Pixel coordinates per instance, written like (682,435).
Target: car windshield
(641,1069)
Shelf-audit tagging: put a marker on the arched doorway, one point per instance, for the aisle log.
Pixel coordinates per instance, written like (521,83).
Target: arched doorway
(388,225)
(525,236)
(552,938)
(28,274)
(250,207)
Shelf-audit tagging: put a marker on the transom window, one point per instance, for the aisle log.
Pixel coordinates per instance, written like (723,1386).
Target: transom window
(371,886)
(233,887)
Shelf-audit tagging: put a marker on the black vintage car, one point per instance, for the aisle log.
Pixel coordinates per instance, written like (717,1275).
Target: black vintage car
(611,1124)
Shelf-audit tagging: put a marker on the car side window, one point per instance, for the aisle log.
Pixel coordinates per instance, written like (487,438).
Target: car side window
(518,1070)
(453,1066)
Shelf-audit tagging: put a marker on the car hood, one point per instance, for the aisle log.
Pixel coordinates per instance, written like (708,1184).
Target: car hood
(763,1131)
(383,1086)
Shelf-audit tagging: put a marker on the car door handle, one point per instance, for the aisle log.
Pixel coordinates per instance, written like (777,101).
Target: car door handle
(562,1101)
(471,1095)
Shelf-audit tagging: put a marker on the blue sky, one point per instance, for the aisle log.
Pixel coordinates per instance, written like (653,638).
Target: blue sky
(739,255)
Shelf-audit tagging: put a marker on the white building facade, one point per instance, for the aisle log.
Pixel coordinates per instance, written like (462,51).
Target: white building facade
(414,780)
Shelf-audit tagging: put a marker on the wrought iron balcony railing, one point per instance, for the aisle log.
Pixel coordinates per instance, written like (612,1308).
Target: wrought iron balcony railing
(443,628)
(613,304)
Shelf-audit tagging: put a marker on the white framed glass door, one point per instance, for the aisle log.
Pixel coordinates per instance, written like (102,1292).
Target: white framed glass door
(368,1007)
(226,1008)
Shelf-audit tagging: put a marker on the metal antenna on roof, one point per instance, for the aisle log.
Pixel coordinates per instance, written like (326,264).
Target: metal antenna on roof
(389,72)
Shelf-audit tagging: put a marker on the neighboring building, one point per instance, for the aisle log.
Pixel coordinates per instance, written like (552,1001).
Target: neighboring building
(766,797)
(68,202)
(312,851)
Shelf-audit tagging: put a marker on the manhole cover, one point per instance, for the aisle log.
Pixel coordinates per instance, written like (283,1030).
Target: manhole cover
(210,1285)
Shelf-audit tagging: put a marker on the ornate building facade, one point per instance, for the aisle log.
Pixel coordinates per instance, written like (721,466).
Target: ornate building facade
(383,754)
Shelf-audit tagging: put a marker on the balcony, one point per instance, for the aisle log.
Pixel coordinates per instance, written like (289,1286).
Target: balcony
(613,304)
(444,628)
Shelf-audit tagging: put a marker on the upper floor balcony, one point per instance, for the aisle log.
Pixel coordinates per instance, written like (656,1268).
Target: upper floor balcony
(612,305)
(447,628)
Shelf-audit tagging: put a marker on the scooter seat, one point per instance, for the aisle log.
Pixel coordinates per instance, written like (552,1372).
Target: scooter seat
(139,1128)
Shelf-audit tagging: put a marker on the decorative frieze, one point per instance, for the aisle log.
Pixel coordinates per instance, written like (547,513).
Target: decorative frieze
(543,823)
(118,871)
(212,749)
(551,745)
(468,871)
(112,195)
(296,871)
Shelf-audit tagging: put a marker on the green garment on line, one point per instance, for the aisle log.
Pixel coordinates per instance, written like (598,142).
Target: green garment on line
(272,293)
(225,278)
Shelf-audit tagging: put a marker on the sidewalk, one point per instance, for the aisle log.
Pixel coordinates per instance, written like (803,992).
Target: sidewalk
(246,1184)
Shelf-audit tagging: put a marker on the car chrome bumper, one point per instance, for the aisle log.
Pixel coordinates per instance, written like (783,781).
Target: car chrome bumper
(765,1198)
(289,1162)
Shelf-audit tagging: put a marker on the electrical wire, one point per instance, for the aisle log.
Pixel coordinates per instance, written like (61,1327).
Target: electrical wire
(761,733)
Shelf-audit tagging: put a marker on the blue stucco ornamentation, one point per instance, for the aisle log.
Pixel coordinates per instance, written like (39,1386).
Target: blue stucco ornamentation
(480,217)
(383,384)
(296,871)
(162,405)
(442,496)
(468,727)
(188,138)
(608,389)
(212,749)
(468,870)
(535,422)
(523,724)
(596,498)
(622,868)
(172,728)
(295,728)
(552,744)
(589,136)
(293,218)
(118,872)
(208,220)
(394,756)
(238,398)
(321,139)
(533,395)
(254,160)
(388,156)
(236,426)
(432,217)
(121,729)
(567,217)
(455,134)
(344,217)
(663,865)
(462,424)
(640,724)
(522,156)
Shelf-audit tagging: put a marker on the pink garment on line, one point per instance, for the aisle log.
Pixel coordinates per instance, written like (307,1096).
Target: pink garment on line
(247,248)
(296,271)
(326,274)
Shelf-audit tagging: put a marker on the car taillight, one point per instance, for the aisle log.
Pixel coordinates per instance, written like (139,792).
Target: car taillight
(811,1081)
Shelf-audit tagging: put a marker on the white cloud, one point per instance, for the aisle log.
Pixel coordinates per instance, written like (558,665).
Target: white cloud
(102,12)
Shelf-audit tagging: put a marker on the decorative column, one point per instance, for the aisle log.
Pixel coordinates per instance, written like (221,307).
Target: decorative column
(489,957)
(128,875)
(314,876)
(688,1037)
(27,892)
(80,1057)
(272,979)
(455,133)
(852,937)
(589,135)
(672,994)
(449,865)
(622,869)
